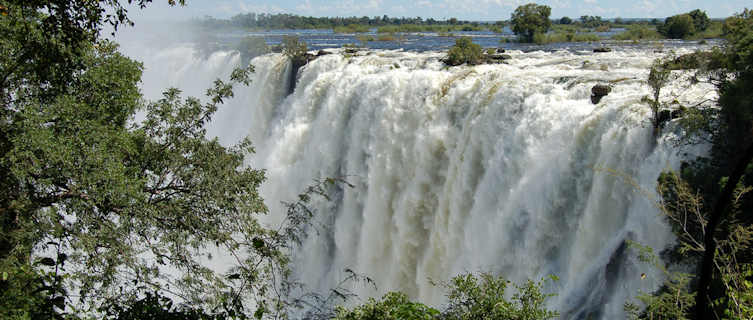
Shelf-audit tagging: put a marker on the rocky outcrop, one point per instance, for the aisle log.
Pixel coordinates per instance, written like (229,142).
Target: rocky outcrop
(599,91)
(491,58)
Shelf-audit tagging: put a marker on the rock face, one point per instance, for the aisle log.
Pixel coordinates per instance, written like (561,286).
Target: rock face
(603,49)
(599,91)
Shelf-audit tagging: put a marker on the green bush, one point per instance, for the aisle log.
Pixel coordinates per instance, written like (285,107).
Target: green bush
(464,51)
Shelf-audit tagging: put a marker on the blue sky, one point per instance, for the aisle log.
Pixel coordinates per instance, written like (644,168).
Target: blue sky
(463,9)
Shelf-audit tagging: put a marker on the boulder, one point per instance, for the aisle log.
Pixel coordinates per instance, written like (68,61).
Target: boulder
(499,57)
(322,53)
(603,49)
(599,91)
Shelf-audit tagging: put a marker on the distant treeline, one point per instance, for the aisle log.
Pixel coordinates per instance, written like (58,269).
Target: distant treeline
(290,21)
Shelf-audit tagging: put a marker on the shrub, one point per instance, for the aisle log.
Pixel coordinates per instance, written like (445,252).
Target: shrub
(464,51)
(294,48)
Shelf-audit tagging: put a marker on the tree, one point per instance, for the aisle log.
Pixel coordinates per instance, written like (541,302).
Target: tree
(95,202)
(708,202)
(464,51)
(677,27)
(658,78)
(701,21)
(530,19)
(566,20)
(591,21)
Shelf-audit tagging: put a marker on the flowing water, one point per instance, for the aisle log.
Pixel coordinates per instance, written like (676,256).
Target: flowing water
(504,168)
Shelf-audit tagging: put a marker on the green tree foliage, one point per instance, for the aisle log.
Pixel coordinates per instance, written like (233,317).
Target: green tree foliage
(708,202)
(701,21)
(592,21)
(483,296)
(685,25)
(658,78)
(530,19)
(295,49)
(291,21)
(566,20)
(677,27)
(157,307)
(97,202)
(464,51)
(673,300)
(638,32)
(393,306)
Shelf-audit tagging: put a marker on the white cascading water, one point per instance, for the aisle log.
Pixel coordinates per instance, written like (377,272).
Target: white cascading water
(504,168)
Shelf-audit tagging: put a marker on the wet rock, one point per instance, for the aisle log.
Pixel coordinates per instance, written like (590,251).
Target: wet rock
(322,53)
(599,91)
(603,49)
(499,57)
(664,116)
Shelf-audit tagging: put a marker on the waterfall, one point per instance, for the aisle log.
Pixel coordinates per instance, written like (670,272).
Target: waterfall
(505,168)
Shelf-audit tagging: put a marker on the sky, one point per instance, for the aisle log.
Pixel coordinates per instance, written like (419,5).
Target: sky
(476,10)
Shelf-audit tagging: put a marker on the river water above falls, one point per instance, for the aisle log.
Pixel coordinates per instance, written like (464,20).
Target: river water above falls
(505,168)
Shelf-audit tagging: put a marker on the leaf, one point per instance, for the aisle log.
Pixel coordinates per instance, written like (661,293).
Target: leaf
(5,276)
